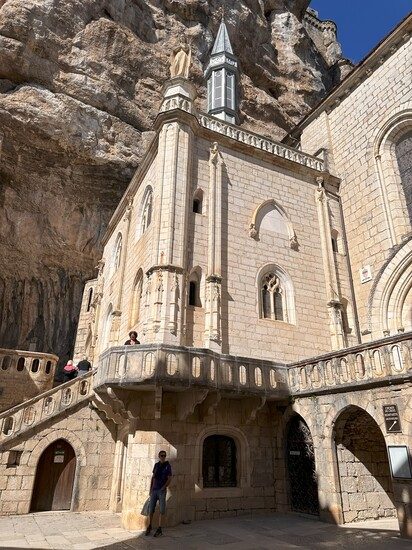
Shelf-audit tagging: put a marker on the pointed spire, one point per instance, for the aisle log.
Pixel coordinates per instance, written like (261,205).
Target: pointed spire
(222,43)
(222,76)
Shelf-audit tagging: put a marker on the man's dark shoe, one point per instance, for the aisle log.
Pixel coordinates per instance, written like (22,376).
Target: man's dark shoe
(148,531)
(159,532)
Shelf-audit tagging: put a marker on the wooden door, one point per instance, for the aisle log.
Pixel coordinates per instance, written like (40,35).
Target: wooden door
(53,486)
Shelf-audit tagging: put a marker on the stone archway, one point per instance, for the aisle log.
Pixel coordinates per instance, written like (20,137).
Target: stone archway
(363,467)
(300,460)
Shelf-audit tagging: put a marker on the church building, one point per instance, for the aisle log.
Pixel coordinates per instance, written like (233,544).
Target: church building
(270,285)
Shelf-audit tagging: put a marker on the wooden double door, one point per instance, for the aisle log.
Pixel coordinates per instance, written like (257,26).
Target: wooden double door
(53,485)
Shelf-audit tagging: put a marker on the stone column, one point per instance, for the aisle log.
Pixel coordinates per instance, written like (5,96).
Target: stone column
(334,304)
(142,450)
(214,264)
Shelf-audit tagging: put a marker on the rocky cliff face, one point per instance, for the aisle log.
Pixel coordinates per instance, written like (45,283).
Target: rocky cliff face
(79,85)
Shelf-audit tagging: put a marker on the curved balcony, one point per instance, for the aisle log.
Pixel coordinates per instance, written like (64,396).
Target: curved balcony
(24,374)
(144,367)
(381,362)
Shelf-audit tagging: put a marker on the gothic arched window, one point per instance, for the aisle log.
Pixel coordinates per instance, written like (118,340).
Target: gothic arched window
(136,298)
(198,202)
(147,205)
(117,252)
(219,464)
(403,151)
(194,288)
(276,297)
(272,297)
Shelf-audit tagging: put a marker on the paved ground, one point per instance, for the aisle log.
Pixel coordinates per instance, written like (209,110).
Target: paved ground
(69,531)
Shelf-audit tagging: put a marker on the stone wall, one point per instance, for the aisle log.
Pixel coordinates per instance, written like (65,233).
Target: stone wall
(248,180)
(351,457)
(182,438)
(364,472)
(93,441)
(360,130)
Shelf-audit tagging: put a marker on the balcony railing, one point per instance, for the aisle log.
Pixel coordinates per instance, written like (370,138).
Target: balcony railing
(187,367)
(27,415)
(375,363)
(39,365)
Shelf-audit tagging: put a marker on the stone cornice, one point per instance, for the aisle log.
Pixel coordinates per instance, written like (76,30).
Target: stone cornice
(387,47)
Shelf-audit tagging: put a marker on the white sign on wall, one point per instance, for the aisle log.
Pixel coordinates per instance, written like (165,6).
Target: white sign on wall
(399,461)
(365,273)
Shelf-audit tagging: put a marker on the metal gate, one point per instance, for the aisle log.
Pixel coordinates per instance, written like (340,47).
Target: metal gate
(301,468)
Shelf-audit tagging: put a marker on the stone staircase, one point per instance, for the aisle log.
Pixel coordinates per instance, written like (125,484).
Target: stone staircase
(25,416)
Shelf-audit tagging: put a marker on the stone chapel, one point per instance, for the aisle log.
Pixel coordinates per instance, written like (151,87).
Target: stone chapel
(270,284)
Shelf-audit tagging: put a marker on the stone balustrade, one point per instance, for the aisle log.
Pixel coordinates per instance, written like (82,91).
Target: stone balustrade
(382,361)
(24,374)
(260,142)
(170,367)
(27,415)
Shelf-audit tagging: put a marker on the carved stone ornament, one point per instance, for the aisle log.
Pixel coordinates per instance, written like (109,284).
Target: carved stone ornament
(294,245)
(253,232)
(214,153)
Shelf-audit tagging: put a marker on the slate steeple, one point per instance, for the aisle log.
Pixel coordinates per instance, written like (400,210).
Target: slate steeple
(222,74)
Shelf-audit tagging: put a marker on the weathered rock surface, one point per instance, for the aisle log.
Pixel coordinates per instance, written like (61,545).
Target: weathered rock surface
(79,84)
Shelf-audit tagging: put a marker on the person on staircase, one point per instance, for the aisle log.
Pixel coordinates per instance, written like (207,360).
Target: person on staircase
(69,371)
(83,366)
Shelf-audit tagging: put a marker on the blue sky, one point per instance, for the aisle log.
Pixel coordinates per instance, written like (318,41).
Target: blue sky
(362,23)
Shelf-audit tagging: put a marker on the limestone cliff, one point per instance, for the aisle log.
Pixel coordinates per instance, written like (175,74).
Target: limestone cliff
(79,85)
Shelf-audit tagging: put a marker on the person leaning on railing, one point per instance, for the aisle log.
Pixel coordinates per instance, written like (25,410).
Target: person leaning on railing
(132,339)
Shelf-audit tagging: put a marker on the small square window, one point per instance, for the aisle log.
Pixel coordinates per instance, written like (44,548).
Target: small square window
(13,459)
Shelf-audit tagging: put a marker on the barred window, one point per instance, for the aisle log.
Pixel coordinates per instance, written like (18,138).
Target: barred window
(219,462)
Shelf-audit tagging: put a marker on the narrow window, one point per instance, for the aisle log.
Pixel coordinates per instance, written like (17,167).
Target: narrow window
(198,202)
(266,306)
(278,305)
(147,210)
(117,252)
(334,238)
(89,299)
(192,293)
(13,459)
(136,298)
(219,462)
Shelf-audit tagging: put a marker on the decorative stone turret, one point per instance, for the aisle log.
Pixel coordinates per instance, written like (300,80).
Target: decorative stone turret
(221,74)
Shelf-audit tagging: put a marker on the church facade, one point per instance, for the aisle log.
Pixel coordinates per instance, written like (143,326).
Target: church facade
(270,285)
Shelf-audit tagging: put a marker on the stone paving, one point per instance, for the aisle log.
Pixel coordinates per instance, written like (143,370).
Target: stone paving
(92,530)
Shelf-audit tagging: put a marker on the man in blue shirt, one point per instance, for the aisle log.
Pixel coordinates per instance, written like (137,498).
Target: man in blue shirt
(162,475)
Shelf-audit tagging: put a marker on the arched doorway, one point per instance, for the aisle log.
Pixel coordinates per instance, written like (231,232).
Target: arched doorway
(300,461)
(363,466)
(53,485)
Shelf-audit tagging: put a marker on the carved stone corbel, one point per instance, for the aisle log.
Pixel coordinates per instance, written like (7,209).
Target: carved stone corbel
(187,402)
(252,406)
(104,404)
(209,405)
